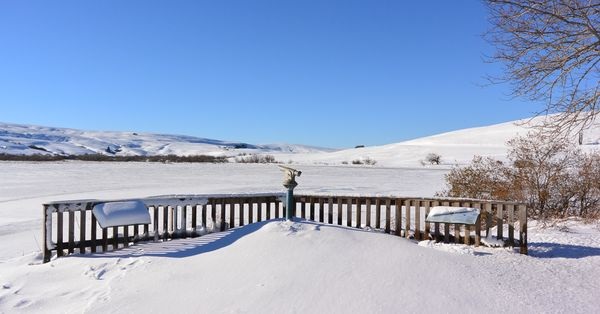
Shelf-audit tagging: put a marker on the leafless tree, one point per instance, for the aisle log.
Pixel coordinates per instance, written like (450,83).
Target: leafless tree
(550,50)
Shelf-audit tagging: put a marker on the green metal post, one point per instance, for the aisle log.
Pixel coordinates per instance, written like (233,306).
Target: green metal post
(289,213)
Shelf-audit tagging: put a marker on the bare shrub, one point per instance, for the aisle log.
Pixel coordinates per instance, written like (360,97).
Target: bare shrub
(433,158)
(256,159)
(364,161)
(548,174)
(484,178)
(370,162)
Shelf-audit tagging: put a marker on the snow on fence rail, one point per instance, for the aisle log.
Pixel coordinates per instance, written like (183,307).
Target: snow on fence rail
(70,226)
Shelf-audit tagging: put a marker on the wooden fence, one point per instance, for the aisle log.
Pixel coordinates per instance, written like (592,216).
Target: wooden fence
(70,226)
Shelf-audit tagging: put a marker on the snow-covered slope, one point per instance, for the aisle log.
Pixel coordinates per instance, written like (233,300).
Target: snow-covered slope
(454,147)
(27,139)
(457,147)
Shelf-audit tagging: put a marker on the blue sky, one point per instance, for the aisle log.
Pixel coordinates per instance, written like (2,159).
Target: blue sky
(325,73)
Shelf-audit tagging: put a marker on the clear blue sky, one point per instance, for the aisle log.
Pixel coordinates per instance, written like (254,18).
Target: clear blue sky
(327,73)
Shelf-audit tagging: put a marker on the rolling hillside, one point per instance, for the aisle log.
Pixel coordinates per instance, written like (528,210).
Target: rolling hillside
(21,139)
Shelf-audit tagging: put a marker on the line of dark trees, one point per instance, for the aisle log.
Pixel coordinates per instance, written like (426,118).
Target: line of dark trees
(100,157)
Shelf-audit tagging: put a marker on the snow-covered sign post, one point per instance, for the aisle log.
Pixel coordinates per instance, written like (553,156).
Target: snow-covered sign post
(289,182)
(124,213)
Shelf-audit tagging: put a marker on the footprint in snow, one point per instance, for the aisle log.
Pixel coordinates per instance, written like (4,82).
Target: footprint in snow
(22,303)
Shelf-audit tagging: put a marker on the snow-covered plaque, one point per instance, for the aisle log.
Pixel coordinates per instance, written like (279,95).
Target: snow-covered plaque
(121,213)
(453,215)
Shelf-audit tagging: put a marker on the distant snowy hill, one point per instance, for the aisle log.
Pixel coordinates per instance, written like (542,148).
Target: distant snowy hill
(456,147)
(27,140)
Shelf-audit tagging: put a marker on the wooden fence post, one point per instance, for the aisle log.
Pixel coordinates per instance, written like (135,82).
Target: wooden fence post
(523,229)
(47,232)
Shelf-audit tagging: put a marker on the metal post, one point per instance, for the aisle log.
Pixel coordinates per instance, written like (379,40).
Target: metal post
(289,181)
(290,203)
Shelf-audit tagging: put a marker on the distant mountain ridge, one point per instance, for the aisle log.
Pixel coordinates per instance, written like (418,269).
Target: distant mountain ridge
(20,139)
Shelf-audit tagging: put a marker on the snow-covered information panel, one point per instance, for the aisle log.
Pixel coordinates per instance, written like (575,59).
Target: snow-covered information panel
(124,213)
(453,215)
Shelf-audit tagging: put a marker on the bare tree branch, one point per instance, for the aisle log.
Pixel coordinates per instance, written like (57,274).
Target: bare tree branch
(550,50)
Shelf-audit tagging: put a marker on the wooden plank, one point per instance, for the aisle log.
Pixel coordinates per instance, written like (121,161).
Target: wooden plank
(136,233)
(203,215)
(241,202)
(349,212)
(511,224)
(277,215)
(104,239)
(488,219)
(499,221)
(93,234)
(126,236)
(388,218)
(232,214)
(273,206)
(146,232)
(436,226)
(427,205)
(522,212)
(194,220)
(467,237)
(446,227)
(250,211)
(115,238)
(340,203)
(358,213)
(456,226)
(398,217)
(259,210)
(330,210)
(59,234)
(155,223)
(165,222)
(478,227)
(213,213)
(170,217)
(82,233)
(407,215)
(184,220)
(378,213)
(71,232)
(368,212)
(47,233)
(223,218)
(268,205)
(321,210)
(311,208)
(417,204)
(303,208)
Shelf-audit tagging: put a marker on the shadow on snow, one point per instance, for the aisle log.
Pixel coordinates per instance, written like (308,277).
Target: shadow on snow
(557,250)
(181,248)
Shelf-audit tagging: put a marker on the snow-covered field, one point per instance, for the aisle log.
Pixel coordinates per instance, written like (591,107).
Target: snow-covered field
(276,266)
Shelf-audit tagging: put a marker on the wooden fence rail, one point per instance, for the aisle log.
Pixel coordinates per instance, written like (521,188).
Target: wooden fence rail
(71,227)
